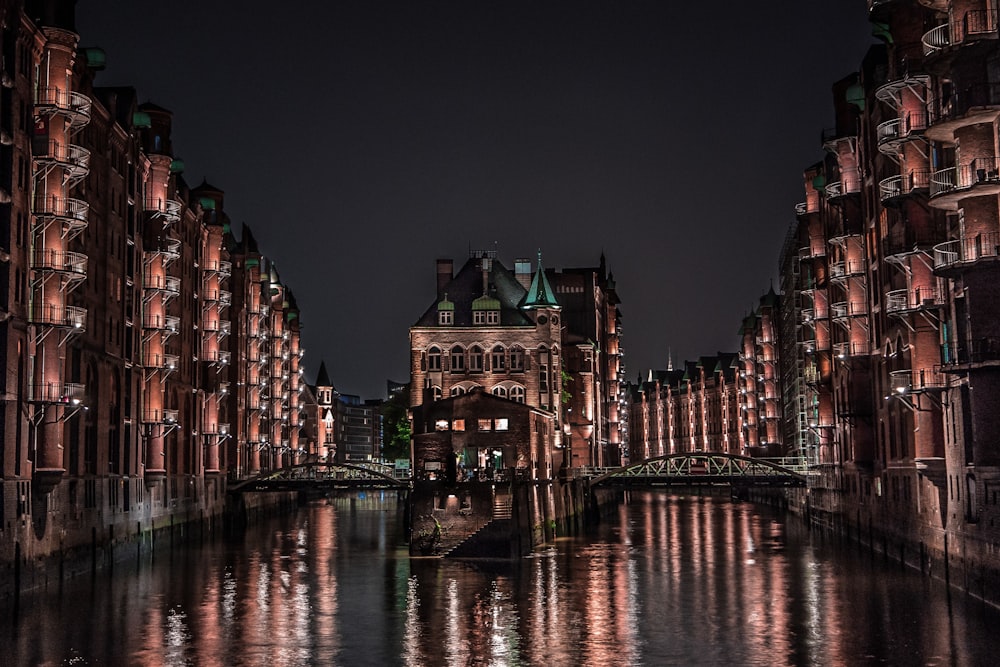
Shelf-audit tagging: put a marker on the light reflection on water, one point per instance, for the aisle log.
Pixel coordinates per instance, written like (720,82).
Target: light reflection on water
(667,581)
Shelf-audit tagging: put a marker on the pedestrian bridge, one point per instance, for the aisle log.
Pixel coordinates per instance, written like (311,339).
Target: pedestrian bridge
(320,476)
(703,469)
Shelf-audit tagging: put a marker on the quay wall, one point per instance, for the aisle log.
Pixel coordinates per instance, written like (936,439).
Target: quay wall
(85,526)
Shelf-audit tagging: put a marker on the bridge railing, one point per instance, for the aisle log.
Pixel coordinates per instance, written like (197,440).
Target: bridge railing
(796,464)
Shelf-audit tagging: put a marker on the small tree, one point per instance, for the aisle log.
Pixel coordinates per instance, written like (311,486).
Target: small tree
(396,426)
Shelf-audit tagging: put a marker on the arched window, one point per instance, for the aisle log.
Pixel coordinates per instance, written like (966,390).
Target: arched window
(500,391)
(476,359)
(517,393)
(434,358)
(498,359)
(457,359)
(436,393)
(517,358)
(457,390)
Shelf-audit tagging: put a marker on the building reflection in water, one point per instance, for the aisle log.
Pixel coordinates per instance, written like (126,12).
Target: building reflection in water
(667,580)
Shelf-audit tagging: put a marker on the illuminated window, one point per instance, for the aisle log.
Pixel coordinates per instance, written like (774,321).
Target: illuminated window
(458,425)
(498,358)
(457,359)
(434,359)
(501,425)
(485,424)
(441,425)
(476,359)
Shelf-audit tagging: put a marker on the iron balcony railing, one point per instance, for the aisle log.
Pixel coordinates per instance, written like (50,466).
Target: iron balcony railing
(892,133)
(843,309)
(974,23)
(979,171)
(976,351)
(219,266)
(74,159)
(166,208)
(57,315)
(169,284)
(169,323)
(844,350)
(166,362)
(159,416)
(903,300)
(73,212)
(917,380)
(71,393)
(63,261)
(75,106)
(220,296)
(960,102)
(849,183)
(967,250)
(898,186)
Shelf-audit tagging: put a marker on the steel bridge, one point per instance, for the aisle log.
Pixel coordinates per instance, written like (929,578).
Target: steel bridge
(703,469)
(318,476)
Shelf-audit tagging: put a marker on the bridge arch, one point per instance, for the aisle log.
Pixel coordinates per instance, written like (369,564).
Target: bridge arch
(318,474)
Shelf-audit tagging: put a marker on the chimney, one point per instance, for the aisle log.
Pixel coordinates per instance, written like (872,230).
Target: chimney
(444,275)
(522,271)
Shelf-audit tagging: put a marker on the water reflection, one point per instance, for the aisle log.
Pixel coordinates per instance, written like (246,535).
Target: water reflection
(667,581)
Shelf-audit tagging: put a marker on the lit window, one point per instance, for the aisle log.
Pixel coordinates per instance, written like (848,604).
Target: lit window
(458,425)
(457,359)
(497,358)
(434,359)
(485,424)
(441,425)
(501,425)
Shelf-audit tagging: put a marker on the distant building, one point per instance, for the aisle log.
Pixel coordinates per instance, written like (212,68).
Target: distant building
(358,427)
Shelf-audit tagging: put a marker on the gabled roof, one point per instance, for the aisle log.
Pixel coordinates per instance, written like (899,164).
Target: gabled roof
(466,289)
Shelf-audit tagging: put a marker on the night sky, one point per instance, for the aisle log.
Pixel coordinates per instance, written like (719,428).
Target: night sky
(361,141)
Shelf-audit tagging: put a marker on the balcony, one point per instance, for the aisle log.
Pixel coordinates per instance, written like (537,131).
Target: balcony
(73,159)
(220,328)
(166,323)
(170,286)
(216,429)
(902,301)
(917,381)
(169,210)
(969,355)
(74,106)
(972,26)
(71,213)
(966,252)
(807,316)
(976,103)
(72,265)
(221,268)
(846,350)
(844,269)
(159,416)
(844,309)
(894,189)
(218,357)
(162,362)
(894,133)
(217,296)
(849,184)
(978,178)
(68,393)
(57,315)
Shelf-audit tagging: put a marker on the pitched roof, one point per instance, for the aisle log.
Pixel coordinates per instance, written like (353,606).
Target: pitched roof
(466,289)
(540,294)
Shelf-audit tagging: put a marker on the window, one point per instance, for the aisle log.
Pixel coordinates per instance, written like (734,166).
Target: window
(517,359)
(457,359)
(479,317)
(434,359)
(500,391)
(436,393)
(441,425)
(458,425)
(457,391)
(476,359)
(485,424)
(498,358)
(446,317)
(517,394)
(500,425)
(492,317)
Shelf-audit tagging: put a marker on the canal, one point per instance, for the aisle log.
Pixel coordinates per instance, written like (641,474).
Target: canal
(665,581)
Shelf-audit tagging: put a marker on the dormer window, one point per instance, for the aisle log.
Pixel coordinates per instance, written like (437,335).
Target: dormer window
(446,312)
(486,310)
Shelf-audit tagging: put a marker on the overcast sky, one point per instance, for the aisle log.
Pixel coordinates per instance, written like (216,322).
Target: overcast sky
(363,140)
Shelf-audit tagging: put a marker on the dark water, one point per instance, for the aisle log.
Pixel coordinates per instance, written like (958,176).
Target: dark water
(668,581)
